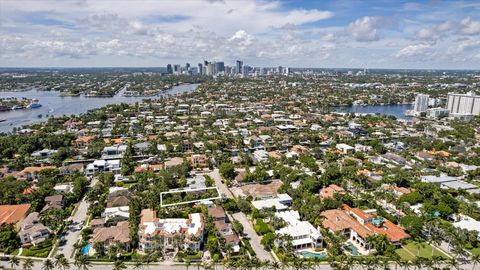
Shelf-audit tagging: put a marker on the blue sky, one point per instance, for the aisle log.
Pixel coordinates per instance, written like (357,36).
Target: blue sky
(363,34)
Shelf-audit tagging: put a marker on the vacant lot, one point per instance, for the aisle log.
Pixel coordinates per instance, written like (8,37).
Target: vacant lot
(413,249)
(259,190)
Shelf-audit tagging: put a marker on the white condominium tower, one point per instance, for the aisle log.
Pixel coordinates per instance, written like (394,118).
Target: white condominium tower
(463,104)
(421,103)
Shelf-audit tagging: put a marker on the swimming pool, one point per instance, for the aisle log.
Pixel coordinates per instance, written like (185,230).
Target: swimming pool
(352,249)
(86,249)
(308,254)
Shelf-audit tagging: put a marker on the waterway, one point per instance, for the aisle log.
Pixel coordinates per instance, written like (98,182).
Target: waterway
(56,105)
(397,110)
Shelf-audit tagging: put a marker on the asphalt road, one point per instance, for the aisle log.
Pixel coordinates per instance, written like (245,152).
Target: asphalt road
(261,253)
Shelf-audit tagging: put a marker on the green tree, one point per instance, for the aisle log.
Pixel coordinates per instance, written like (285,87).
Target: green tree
(128,164)
(413,224)
(14,261)
(48,265)
(227,170)
(27,264)
(82,262)
(119,265)
(9,239)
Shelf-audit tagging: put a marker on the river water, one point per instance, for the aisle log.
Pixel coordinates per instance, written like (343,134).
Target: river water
(54,104)
(397,110)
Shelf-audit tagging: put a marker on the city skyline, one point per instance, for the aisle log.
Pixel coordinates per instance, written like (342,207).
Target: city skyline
(346,34)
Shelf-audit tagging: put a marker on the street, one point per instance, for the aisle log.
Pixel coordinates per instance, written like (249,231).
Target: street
(261,253)
(72,236)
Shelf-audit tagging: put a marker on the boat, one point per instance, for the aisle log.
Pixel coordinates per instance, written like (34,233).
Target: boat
(18,107)
(3,120)
(34,104)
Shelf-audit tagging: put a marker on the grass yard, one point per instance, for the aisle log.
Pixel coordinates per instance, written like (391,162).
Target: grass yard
(404,254)
(475,251)
(41,250)
(424,250)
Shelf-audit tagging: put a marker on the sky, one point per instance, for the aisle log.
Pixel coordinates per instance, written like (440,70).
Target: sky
(291,33)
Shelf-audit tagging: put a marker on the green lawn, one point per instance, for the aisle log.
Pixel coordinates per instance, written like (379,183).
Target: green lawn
(404,254)
(475,251)
(41,250)
(422,249)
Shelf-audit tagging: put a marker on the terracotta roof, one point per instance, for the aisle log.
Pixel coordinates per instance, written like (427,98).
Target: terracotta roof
(327,192)
(216,212)
(339,220)
(11,214)
(84,139)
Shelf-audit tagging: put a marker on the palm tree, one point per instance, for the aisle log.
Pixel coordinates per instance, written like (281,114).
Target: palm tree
(61,262)
(48,265)
(82,262)
(119,265)
(14,261)
(138,265)
(453,262)
(27,264)
(475,259)
(275,265)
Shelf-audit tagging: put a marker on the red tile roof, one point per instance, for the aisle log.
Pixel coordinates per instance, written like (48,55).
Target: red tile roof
(11,214)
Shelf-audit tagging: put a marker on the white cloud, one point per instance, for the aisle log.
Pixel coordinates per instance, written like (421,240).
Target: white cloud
(470,27)
(364,29)
(415,52)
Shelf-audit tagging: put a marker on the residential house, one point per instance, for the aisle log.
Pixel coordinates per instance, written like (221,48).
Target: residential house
(114,235)
(32,231)
(116,214)
(101,165)
(54,202)
(169,233)
(303,234)
(280,203)
(224,228)
(358,226)
(31,173)
(13,214)
(328,192)
(198,161)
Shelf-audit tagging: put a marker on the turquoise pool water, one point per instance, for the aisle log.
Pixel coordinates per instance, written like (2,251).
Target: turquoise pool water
(86,249)
(352,249)
(308,254)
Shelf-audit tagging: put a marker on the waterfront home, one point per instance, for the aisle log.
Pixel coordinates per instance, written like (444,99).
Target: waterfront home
(170,233)
(33,232)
